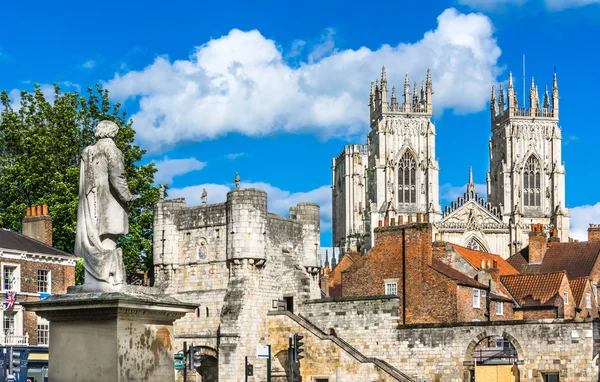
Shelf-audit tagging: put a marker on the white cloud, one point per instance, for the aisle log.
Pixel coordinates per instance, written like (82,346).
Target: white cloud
(582,217)
(89,64)
(553,5)
(450,193)
(279,201)
(241,83)
(233,156)
(170,168)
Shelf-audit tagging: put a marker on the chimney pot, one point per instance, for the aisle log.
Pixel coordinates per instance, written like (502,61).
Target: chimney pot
(495,264)
(400,220)
(482,264)
(39,210)
(28,211)
(393,221)
(426,218)
(410,218)
(380,224)
(386,221)
(419,217)
(594,233)
(33,211)
(45,210)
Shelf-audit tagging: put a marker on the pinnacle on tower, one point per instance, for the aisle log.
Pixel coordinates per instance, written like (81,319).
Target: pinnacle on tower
(327,258)
(510,80)
(415,95)
(394,100)
(470,185)
(546,99)
(429,84)
(406,90)
(501,97)
(423,91)
(493,98)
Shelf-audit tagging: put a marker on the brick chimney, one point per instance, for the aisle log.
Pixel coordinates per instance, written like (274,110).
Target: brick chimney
(537,243)
(37,224)
(594,233)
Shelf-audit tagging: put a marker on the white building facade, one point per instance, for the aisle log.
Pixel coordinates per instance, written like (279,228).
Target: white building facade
(394,177)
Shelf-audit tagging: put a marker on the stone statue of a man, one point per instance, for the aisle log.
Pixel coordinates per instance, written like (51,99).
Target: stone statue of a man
(102,215)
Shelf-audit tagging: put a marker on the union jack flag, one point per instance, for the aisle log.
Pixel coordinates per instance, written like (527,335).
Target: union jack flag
(11,298)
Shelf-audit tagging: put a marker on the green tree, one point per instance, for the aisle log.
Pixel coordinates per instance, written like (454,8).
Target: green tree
(40,146)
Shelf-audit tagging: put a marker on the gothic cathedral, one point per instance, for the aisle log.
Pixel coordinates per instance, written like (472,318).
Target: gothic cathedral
(394,177)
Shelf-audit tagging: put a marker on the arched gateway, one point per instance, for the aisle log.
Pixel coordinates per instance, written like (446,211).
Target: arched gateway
(492,357)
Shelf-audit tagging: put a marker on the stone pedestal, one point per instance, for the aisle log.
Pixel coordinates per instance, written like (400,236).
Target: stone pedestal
(118,336)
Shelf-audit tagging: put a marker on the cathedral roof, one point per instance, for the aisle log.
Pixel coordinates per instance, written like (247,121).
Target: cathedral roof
(475,258)
(471,212)
(576,259)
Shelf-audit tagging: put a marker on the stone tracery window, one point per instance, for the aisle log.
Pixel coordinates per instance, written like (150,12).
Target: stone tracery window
(531,182)
(474,244)
(407,174)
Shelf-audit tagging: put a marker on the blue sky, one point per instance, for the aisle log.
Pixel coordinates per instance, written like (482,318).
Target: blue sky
(274,90)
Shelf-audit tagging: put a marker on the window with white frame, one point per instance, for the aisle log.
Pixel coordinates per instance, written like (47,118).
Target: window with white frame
(391,288)
(43,329)
(595,291)
(499,308)
(10,274)
(476,298)
(8,323)
(43,281)
(566,298)
(588,301)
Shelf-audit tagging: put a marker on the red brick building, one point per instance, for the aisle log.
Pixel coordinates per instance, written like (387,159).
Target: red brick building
(546,295)
(403,262)
(33,269)
(579,261)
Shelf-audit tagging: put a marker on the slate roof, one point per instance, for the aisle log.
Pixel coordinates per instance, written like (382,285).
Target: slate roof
(16,241)
(474,258)
(577,259)
(577,288)
(452,273)
(533,289)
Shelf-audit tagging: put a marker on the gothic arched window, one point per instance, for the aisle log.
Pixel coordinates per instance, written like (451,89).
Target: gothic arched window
(474,244)
(407,182)
(531,183)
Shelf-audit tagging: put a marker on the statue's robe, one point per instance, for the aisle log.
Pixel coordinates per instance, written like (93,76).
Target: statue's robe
(102,210)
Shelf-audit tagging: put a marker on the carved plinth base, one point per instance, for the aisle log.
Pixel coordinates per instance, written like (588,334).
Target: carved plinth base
(110,336)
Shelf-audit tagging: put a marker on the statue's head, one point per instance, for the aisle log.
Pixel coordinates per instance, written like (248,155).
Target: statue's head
(106,129)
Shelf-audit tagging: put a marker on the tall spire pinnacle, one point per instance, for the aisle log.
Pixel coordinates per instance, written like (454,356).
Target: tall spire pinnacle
(429,77)
(501,98)
(510,80)
(415,94)
(384,89)
(493,98)
(327,258)
(546,99)
(470,185)
(555,82)
(406,90)
(423,91)
(394,101)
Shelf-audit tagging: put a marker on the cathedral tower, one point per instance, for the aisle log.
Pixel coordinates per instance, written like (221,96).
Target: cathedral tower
(402,171)
(526,179)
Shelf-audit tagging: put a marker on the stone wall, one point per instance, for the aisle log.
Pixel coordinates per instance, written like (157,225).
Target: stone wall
(235,260)
(444,352)
(325,357)
(372,319)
